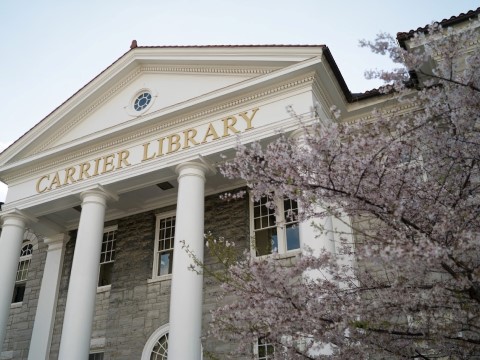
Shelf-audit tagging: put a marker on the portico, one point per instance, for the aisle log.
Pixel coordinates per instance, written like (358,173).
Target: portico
(135,151)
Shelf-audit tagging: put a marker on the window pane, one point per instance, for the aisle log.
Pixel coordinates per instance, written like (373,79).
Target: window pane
(293,237)
(290,208)
(18,292)
(266,241)
(106,271)
(26,250)
(165,262)
(265,350)
(22,270)
(96,356)
(160,350)
(263,216)
(108,246)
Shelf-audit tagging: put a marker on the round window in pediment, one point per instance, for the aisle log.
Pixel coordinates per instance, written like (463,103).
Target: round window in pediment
(142,101)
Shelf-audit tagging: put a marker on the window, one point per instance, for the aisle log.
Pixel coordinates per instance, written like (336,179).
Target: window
(107,256)
(160,349)
(265,350)
(156,347)
(164,238)
(22,271)
(142,101)
(274,231)
(95,356)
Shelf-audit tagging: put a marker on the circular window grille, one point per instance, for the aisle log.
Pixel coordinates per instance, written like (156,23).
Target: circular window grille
(160,350)
(142,101)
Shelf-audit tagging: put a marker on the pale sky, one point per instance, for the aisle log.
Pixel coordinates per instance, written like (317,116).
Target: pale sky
(51,48)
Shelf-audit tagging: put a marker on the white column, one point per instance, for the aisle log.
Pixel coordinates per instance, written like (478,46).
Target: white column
(82,289)
(186,294)
(47,300)
(13,229)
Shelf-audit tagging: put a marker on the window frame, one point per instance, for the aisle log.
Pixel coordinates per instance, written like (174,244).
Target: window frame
(113,228)
(281,225)
(267,345)
(156,251)
(95,353)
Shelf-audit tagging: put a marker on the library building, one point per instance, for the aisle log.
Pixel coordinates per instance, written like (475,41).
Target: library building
(105,190)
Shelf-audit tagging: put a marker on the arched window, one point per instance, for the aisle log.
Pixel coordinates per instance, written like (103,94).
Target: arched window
(156,347)
(29,245)
(22,271)
(160,350)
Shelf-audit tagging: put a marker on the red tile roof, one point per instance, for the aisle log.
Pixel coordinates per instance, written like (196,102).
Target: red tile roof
(402,36)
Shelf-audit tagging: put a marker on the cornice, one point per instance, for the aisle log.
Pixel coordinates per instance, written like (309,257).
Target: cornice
(250,98)
(322,96)
(217,70)
(386,112)
(224,70)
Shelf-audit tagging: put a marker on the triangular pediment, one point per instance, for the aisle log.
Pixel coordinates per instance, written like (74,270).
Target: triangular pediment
(174,78)
(155,87)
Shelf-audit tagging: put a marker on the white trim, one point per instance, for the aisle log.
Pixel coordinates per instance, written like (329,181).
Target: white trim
(110,228)
(104,288)
(97,345)
(152,340)
(159,278)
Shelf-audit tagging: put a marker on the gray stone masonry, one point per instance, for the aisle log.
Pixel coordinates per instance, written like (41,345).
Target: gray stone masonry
(134,306)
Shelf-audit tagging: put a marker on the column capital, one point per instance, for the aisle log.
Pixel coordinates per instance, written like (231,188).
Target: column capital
(56,241)
(17,217)
(191,168)
(98,193)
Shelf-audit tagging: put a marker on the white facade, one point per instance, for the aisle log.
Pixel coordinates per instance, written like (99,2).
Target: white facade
(158,115)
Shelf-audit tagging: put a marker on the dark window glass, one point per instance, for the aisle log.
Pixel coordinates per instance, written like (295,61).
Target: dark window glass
(18,292)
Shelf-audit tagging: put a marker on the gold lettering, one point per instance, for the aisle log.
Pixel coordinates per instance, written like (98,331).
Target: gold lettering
(97,165)
(173,143)
(189,136)
(145,152)
(227,125)
(55,182)
(160,146)
(69,172)
(123,158)
(84,167)
(210,132)
(45,177)
(247,119)
(108,163)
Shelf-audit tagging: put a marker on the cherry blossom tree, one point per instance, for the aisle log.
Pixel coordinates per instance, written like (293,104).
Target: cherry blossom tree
(409,181)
